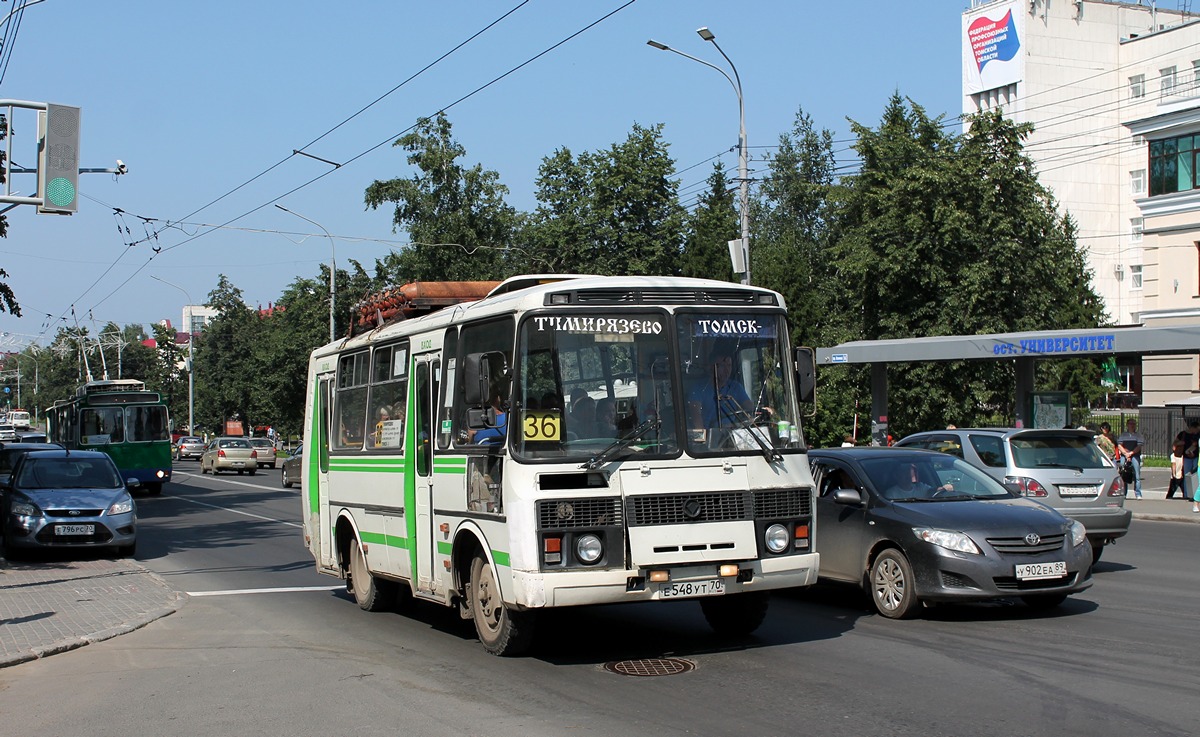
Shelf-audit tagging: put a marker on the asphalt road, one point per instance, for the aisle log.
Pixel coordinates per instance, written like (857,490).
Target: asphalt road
(266,646)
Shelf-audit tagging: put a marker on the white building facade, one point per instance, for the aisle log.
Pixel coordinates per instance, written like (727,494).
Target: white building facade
(1113,92)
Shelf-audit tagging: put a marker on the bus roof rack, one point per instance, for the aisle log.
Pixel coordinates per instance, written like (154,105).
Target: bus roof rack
(413,299)
(111,385)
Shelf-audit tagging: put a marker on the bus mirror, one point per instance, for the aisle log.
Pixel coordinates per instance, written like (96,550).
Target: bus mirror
(476,380)
(806,374)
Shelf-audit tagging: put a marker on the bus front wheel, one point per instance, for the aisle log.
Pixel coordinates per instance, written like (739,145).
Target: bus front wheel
(735,615)
(503,631)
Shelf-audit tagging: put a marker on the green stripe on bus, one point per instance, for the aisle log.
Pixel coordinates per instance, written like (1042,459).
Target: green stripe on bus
(312,453)
(501,559)
(445,548)
(379,538)
(449,462)
(351,468)
(363,461)
(452,471)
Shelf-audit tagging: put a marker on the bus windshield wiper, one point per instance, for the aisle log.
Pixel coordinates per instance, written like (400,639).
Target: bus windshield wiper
(730,408)
(621,443)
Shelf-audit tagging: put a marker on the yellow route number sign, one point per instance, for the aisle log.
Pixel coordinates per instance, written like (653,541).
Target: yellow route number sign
(542,425)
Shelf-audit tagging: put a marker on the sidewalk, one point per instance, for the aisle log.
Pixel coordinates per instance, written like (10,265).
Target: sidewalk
(51,606)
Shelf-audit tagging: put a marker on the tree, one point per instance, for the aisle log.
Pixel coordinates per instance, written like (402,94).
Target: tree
(710,227)
(612,212)
(943,234)
(455,217)
(224,358)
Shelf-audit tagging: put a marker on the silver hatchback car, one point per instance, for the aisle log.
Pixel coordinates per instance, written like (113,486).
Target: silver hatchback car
(1063,469)
(67,499)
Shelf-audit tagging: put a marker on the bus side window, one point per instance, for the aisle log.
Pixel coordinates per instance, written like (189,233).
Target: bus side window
(492,336)
(350,405)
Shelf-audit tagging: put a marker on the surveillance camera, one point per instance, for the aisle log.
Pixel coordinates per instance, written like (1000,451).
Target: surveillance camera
(121,168)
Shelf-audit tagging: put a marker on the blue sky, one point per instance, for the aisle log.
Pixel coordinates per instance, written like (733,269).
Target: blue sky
(200,99)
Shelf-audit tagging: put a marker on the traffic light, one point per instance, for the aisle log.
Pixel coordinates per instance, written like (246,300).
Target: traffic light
(58,159)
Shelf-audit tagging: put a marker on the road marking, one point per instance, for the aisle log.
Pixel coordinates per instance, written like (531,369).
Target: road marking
(238,511)
(280,590)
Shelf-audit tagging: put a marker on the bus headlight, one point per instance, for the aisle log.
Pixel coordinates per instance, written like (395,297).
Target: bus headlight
(776,538)
(588,548)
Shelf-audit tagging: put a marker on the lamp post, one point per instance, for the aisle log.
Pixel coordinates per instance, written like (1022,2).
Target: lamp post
(332,269)
(743,151)
(191,366)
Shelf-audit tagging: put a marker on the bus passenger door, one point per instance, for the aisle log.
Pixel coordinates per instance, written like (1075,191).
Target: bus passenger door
(425,546)
(318,472)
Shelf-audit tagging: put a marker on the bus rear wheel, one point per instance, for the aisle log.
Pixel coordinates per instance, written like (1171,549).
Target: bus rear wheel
(372,594)
(503,631)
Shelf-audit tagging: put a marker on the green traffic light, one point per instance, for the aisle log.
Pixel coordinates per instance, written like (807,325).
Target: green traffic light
(60,191)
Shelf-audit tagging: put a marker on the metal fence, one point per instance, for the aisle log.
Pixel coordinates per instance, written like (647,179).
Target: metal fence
(1159,425)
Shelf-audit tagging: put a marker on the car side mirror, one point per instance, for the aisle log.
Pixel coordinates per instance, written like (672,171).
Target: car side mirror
(849,497)
(132,483)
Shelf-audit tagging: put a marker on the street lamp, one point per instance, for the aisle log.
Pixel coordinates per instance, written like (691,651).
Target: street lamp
(332,269)
(191,366)
(743,151)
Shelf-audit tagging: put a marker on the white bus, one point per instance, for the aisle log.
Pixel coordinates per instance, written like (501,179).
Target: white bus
(456,455)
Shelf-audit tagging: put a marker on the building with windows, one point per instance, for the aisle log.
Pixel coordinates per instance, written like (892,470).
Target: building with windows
(1113,92)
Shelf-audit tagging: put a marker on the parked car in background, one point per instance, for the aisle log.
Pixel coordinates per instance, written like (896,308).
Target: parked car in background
(58,498)
(229,454)
(913,527)
(265,448)
(10,453)
(291,468)
(189,446)
(1063,469)
(7,432)
(32,437)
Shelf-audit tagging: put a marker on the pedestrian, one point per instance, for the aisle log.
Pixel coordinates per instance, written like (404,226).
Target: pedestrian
(1105,441)
(1129,448)
(1177,471)
(848,441)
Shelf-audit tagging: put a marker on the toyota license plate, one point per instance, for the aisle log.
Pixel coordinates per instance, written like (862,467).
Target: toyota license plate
(1034,571)
(684,589)
(74,529)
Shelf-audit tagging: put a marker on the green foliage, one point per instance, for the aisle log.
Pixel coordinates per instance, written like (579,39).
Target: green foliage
(610,212)
(456,217)
(709,229)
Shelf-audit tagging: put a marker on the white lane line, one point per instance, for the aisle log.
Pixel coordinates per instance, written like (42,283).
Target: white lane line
(281,590)
(238,511)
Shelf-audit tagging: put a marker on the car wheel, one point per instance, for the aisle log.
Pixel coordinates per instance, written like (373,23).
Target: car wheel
(501,630)
(1097,551)
(240,473)
(372,594)
(252,471)
(287,483)
(127,551)
(735,615)
(891,585)
(1044,602)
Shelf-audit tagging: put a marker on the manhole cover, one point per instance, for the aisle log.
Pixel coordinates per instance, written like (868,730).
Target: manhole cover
(650,667)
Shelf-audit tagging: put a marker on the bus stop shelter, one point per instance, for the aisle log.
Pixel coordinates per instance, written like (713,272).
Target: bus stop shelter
(1023,349)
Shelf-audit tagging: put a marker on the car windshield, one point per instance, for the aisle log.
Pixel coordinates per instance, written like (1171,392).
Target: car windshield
(930,477)
(1075,451)
(68,473)
(192,441)
(233,443)
(262,443)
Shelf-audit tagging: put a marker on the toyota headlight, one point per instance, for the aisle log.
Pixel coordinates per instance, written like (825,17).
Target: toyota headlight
(1078,533)
(959,542)
(122,506)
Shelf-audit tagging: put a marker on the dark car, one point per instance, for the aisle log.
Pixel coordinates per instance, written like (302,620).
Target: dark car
(291,467)
(916,527)
(1062,468)
(67,499)
(10,453)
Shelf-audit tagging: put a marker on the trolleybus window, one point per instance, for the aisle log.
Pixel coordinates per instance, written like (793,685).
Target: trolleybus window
(102,425)
(146,424)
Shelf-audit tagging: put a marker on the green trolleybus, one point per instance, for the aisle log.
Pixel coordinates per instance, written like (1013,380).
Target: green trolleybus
(555,441)
(124,420)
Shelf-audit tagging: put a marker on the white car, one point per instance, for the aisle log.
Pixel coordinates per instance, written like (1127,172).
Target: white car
(7,432)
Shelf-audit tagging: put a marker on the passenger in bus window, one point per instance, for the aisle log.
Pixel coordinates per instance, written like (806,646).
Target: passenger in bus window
(606,418)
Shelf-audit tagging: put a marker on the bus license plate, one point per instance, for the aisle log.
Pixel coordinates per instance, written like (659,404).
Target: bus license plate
(683,589)
(1034,571)
(74,529)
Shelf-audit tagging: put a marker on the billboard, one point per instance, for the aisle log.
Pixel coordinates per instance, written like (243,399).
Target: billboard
(993,46)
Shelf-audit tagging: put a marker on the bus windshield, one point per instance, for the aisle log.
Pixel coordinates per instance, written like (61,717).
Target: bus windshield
(613,386)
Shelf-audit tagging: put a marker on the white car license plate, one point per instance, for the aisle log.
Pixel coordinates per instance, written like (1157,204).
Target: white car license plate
(238,463)
(1078,490)
(711,587)
(1034,571)
(74,529)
